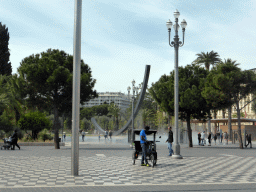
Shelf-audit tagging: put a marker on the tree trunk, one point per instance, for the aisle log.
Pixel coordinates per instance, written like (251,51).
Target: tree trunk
(190,142)
(239,125)
(229,123)
(56,126)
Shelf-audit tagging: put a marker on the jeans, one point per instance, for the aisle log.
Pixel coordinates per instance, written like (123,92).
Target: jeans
(170,149)
(143,147)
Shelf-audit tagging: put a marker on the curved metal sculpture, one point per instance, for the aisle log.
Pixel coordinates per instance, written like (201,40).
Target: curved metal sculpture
(137,107)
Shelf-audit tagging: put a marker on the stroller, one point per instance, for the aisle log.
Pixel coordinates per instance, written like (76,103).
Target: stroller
(7,143)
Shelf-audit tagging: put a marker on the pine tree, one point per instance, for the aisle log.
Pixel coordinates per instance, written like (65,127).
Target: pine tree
(5,64)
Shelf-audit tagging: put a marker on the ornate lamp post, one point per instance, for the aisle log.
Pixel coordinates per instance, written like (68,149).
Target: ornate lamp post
(134,89)
(133,92)
(176,44)
(129,89)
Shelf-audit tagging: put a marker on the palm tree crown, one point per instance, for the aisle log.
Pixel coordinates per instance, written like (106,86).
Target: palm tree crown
(207,59)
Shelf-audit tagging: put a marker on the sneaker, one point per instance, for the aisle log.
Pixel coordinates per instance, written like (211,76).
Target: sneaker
(143,164)
(148,165)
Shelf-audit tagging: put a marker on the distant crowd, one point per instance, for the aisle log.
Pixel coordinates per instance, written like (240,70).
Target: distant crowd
(107,134)
(222,137)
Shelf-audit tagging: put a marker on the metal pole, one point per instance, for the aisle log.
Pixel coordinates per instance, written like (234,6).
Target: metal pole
(76,88)
(209,125)
(176,146)
(132,117)
(62,126)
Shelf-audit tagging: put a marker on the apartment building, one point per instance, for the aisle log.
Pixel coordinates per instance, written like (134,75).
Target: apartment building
(120,99)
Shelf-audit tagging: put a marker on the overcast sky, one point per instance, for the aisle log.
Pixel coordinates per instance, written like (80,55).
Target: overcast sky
(120,37)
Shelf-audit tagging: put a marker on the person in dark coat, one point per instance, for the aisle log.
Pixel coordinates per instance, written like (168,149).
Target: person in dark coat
(209,138)
(199,138)
(246,139)
(170,140)
(15,140)
(215,138)
(249,139)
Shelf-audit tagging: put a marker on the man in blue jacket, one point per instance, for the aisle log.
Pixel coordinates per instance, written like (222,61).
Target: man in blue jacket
(143,144)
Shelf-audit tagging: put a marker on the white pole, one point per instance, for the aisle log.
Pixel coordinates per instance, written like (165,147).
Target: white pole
(76,88)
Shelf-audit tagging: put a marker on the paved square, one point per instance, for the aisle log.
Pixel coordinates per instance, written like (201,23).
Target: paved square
(111,165)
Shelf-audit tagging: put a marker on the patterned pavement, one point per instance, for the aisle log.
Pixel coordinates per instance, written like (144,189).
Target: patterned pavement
(111,165)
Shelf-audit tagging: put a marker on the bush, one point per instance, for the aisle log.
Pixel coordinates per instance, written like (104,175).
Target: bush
(27,138)
(35,122)
(2,134)
(44,135)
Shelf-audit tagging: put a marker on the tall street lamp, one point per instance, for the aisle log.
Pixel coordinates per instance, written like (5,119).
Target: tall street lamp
(176,44)
(129,89)
(76,89)
(133,91)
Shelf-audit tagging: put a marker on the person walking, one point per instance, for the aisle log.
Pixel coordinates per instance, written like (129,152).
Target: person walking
(15,140)
(225,137)
(106,134)
(64,135)
(110,135)
(199,138)
(215,138)
(170,140)
(209,138)
(143,144)
(246,139)
(221,137)
(249,140)
(202,137)
(83,134)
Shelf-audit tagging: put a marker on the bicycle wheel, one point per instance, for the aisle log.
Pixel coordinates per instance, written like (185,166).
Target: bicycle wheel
(152,160)
(133,158)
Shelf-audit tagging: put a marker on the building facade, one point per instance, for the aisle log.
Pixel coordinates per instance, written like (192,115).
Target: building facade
(120,99)
(247,110)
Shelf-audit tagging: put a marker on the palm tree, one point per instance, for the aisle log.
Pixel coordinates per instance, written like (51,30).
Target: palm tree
(4,100)
(15,86)
(207,59)
(233,65)
(7,104)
